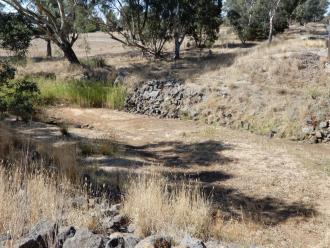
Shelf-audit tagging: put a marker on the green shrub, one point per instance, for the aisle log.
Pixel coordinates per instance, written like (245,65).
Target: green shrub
(6,72)
(17,96)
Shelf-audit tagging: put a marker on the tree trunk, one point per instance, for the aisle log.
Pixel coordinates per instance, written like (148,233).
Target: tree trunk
(270,36)
(70,54)
(49,49)
(329,47)
(177,48)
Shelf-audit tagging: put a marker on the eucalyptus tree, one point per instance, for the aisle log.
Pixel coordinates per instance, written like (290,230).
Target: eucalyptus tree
(56,19)
(207,20)
(311,11)
(199,19)
(260,19)
(273,6)
(144,24)
(150,24)
(15,33)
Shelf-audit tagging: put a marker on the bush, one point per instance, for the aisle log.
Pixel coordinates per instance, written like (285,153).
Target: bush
(6,72)
(17,96)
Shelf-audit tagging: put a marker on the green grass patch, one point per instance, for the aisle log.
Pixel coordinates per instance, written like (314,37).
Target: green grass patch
(89,94)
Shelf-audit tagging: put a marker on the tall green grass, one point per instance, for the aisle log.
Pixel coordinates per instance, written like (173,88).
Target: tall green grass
(91,94)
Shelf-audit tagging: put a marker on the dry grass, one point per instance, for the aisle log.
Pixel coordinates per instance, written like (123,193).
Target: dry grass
(155,207)
(273,87)
(26,198)
(30,193)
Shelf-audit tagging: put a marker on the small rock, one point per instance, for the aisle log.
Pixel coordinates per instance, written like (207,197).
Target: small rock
(309,120)
(323,124)
(122,240)
(115,224)
(116,208)
(307,129)
(272,133)
(319,135)
(189,242)
(313,140)
(155,241)
(85,126)
(68,232)
(119,80)
(131,228)
(4,240)
(5,237)
(42,235)
(327,66)
(84,239)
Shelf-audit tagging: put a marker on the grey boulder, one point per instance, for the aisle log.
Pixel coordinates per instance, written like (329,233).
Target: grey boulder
(83,238)
(42,235)
(122,240)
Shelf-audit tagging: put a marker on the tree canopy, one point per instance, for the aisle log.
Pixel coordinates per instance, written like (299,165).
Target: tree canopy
(311,11)
(258,19)
(15,33)
(54,18)
(149,24)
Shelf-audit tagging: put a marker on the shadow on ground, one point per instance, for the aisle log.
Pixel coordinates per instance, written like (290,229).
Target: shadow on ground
(231,202)
(236,45)
(182,155)
(180,161)
(266,210)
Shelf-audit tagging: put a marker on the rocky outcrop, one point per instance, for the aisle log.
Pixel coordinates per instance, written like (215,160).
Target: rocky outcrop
(316,132)
(46,234)
(164,98)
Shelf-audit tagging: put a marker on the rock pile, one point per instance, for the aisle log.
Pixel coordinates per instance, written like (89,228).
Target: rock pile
(119,234)
(164,98)
(317,132)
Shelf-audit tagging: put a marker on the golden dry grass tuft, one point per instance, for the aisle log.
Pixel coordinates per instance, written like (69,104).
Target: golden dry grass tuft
(30,193)
(154,206)
(26,198)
